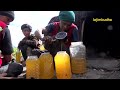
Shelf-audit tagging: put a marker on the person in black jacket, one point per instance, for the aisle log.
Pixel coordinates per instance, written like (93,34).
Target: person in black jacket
(5,37)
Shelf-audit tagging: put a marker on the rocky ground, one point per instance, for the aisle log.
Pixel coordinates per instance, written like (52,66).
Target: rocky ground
(100,66)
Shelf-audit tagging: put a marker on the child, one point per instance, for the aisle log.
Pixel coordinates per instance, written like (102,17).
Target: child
(29,42)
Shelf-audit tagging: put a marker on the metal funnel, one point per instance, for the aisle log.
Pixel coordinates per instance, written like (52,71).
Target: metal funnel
(61,35)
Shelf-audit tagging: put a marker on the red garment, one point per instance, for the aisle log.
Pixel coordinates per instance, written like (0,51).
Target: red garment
(2,25)
(0,62)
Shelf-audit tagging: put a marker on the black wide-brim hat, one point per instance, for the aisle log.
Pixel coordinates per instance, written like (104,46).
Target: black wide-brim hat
(9,14)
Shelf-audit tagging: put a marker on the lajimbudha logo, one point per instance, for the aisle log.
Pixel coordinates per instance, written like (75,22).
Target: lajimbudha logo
(102,19)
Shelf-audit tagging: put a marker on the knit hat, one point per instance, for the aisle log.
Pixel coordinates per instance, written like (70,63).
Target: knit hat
(67,16)
(9,14)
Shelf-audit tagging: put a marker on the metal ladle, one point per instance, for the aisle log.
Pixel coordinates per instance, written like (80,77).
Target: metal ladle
(61,36)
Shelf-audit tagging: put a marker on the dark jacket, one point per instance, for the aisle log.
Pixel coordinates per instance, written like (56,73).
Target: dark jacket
(27,44)
(52,30)
(6,43)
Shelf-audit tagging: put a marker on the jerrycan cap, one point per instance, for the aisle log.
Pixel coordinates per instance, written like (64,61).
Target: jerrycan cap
(61,35)
(32,57)
(45,52)
(76,43)
(61,52)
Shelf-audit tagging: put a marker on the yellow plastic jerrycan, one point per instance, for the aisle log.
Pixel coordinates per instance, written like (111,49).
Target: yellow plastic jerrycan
(42,48)
(18,55)
(62,65)
(78,57)
(32,67)
(46,66)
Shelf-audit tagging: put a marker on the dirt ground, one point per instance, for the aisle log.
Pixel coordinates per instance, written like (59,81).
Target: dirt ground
(101,68)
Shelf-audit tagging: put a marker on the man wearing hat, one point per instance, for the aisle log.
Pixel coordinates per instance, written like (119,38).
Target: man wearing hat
(65,24)
(5,37)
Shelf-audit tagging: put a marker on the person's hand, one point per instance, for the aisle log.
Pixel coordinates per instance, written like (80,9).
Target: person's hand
(44,31)
(48,39)
(37,34)
(23,63)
